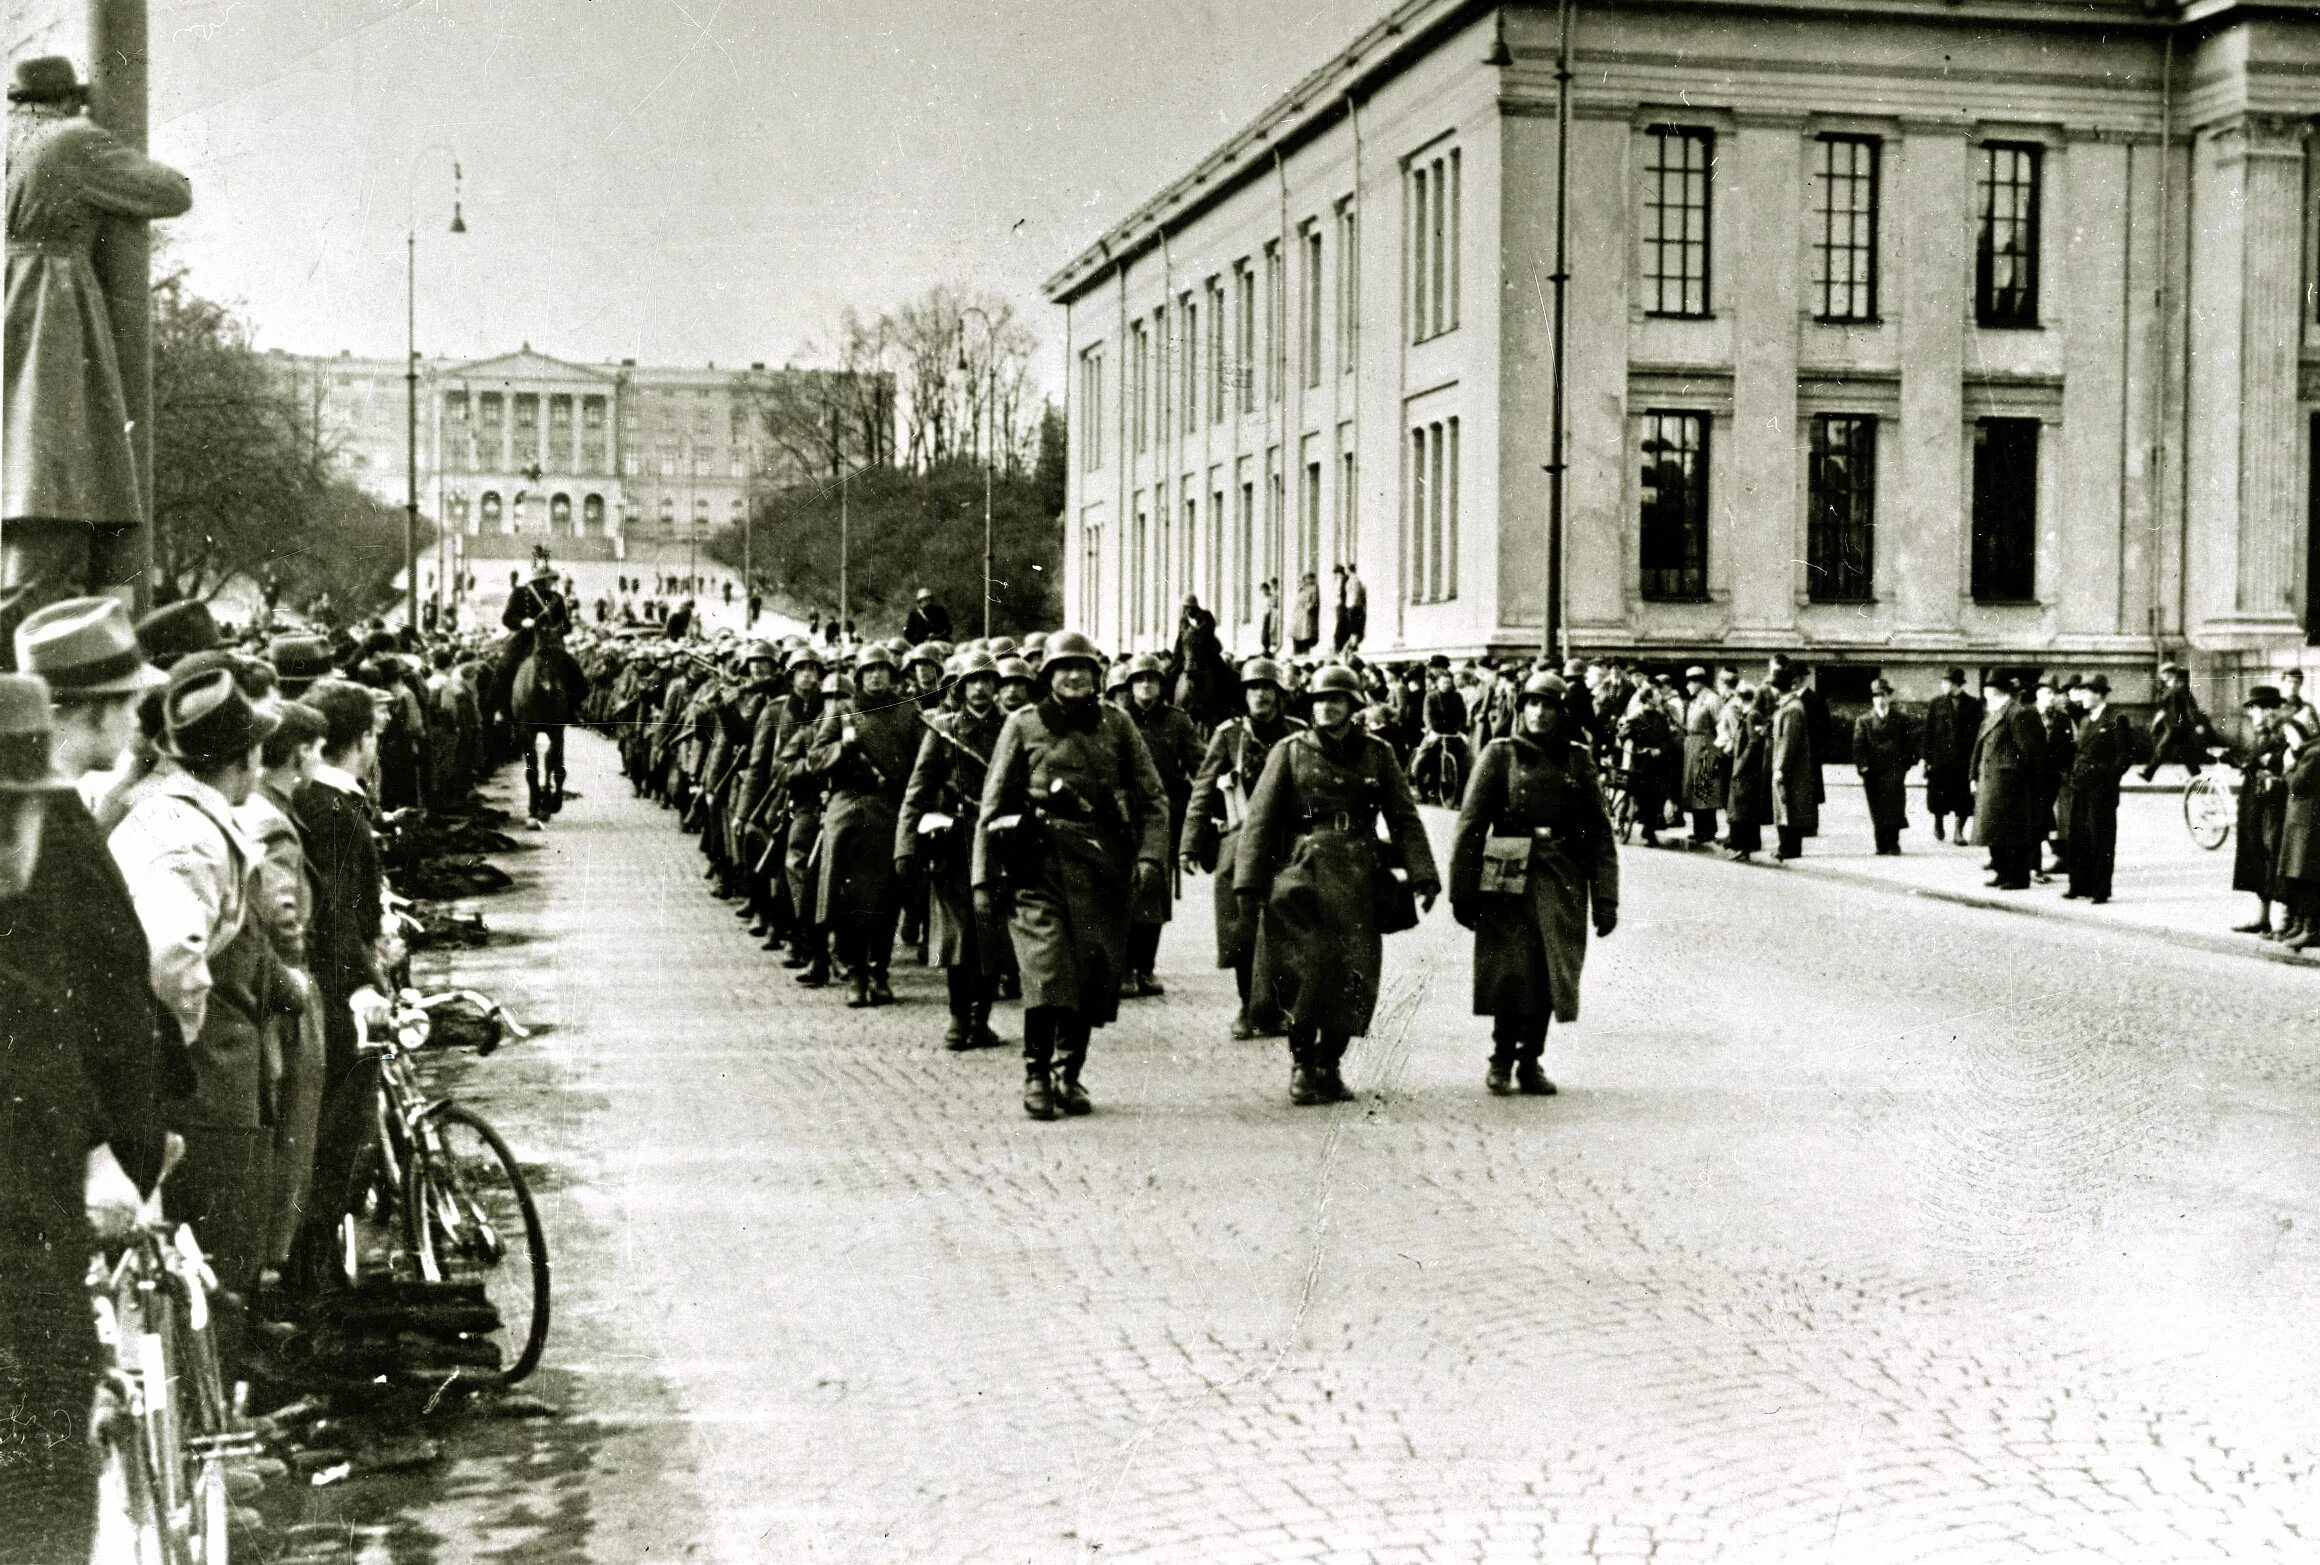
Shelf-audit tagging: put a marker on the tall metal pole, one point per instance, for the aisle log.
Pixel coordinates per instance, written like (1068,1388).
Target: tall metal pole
(990,572)
(411,426)
(1551,641)
(124,252)
(845,550)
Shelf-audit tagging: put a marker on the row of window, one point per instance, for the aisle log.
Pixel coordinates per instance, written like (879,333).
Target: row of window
(489,511)
(1679,166)
(1840,508)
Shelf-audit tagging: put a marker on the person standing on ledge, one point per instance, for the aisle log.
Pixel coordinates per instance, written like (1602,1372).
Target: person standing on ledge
(69,498)
(928,620)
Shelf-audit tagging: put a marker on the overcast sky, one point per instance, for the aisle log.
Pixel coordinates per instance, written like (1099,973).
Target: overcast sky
(683,182)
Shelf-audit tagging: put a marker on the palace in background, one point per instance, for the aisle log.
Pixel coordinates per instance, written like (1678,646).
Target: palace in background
(1902,333)
(608,465)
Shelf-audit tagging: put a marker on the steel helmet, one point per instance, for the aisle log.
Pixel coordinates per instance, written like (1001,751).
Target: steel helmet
(1115,678)
(873,656)
(1014,668)
(1000,646)
(1335,680)
(1035,642)
(1147,663)
(924,652)
(763,652)
(1261,671)
(804,656)
(1067,646)
(969,664)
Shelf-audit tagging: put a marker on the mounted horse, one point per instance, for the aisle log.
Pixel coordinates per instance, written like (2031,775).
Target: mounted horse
(544,692)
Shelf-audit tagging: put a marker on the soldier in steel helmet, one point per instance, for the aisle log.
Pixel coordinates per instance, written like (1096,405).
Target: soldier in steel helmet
(933,836)
(866,753)
(1078,814)
(1212,822)
(1533,854)
(1175,747)
(1312,866)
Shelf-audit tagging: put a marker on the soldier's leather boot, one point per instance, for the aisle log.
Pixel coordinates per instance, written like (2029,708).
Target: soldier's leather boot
(1070,1096)
(957,1035)
(858,998)
(1499,1079)
(1304,1086)
(817,973)
(1038,1094)
(1530,1081)
(880,991)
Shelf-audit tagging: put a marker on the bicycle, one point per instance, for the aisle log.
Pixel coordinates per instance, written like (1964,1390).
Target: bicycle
(164,1423)
(1619,803)
(1438,771)
(2210,807)
(433,1192)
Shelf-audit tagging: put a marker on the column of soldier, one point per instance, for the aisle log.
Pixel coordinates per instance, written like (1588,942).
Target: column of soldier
(1024,816)
(191,912)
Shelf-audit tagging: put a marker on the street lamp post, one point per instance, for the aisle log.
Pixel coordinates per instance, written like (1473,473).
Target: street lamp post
(991,454)
(411,379)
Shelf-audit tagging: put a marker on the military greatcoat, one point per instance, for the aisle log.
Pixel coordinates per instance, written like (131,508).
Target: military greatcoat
(1311,851)
(1212,820)
(953,759)
(1080,777)
(1529,948)
(866,754)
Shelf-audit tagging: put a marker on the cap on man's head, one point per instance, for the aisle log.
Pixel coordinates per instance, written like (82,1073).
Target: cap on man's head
(2264,699)
(206,717)
(177,630)
(2099,683)
(925,593)
(85,649)
(27,733)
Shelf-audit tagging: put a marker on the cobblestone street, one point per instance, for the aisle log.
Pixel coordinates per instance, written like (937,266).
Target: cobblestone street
(1866,1228)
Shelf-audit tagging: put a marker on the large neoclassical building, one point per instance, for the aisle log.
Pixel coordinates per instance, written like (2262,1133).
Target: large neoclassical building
(1902,333)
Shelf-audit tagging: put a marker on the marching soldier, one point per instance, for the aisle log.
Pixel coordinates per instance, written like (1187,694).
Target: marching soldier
(762,796)
(1311,865)
(804,792)
(1175,748)
(934,835)
(1533,849)
(866,753)
(1071,775)
(1212,823)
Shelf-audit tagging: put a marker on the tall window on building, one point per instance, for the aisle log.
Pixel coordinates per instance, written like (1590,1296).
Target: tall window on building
(592,452)
(2005,510)
(1188,536)
(1245,550)
(1841,509)
(1434,202)
(1434,511)
(1244,368)
(1161,357)
(1215,542)
(560,452)
(1276,312)
(1673,545)
(1091,569)
(1845,228)
(1309,507)
(490,425)
(1276,515)
(1139,557)
(1348,534)
(1188,361)
(1163,557)
(527,429)
(1138,390)
(668,455)
(1218,353)
(592,516)
(1677,164)
(1348,287)
(2006,249)
(1091,409)
(1309,302)
(458,437)
(491,511)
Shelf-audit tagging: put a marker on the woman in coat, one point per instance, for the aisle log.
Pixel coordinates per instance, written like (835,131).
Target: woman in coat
(1796,773)
(2297,874)
(1650,744)
(1310,861)
(1750,797)
(1075,797)
(1533,849)
(2263,801)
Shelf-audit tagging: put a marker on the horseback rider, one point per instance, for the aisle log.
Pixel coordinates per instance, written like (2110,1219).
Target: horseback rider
(534,608)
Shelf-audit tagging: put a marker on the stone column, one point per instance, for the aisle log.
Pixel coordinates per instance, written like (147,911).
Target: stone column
(1923,553)
(2269,154)
(1764,206)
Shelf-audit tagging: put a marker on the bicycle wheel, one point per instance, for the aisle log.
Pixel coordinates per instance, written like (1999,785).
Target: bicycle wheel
(1623,814)
(2207,810)
(472,1219)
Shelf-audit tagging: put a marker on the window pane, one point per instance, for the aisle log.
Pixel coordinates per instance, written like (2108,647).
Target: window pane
(1841,488)
(1844,228)
(1674,537)
(2006,250)
(2005,510)
(1675,220)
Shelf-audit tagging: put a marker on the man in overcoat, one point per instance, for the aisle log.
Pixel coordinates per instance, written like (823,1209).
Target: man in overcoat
(1212,823)
(865,751)
(1796,772)
(1078,809)
(1311,861)
(1707,767)
(2058,705)
(1953,720)
(758,806)
(1532,857)
(2105,745)
(1884,748)
(2009,756)
(69,497)
(2297,875)
(934,835)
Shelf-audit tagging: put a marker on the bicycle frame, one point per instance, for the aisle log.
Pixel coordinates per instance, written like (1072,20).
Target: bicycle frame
(407,1135)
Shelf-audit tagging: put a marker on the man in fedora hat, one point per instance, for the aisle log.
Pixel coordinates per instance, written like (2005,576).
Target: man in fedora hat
(188,864)
(58,1170)
(299,660)
(69,493)
(2105,745)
